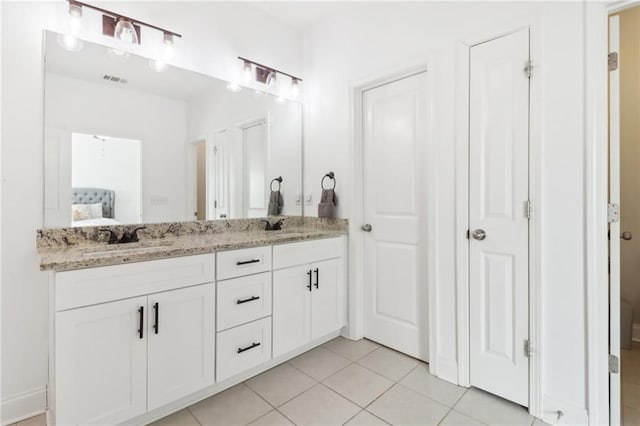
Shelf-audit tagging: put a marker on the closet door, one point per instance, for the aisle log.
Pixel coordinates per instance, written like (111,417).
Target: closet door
(395,244)
(498,219)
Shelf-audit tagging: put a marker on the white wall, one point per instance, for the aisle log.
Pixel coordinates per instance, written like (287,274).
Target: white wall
(110,163)
(213,35)
(160,124)
(370,40)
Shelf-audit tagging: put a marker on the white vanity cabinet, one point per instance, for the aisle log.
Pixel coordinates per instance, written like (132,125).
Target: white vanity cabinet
(308,292)
(118,359)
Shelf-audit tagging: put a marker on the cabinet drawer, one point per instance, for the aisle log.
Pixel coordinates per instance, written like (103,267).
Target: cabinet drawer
(243,300)
(241,348)
(237,263)
(294,254)
(106,283)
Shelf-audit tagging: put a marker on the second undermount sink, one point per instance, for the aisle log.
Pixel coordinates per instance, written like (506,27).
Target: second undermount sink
(118,249)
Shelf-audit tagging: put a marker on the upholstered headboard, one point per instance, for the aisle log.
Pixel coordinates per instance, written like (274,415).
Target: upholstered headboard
(95,195)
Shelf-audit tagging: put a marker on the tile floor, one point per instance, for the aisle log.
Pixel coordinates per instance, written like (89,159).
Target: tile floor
(630,375)
(352,383)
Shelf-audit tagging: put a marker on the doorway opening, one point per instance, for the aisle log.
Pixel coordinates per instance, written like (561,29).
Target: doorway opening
(624,200)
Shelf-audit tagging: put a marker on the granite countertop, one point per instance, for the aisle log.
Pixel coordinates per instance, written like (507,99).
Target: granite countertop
(94,253)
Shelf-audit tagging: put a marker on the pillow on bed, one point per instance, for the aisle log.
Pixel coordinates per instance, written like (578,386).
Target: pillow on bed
(80,212)
(95,210)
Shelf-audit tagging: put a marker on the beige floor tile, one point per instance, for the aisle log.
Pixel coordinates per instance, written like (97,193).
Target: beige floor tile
(402,406)
(319,406)
(491,409)
(365,418)
(421,381)
(272,418)
(455,418)
(280,384)
(630,416)
(180,418)
(538,422)
(358,384)
(319,363)
(351,349)
(630,395)
(238,405)
(389,363)
(39,420)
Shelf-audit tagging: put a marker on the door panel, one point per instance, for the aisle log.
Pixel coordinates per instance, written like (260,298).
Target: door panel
(498,194)
(101,363)
(394,145)
(181,349)
(291,309)
(326,300)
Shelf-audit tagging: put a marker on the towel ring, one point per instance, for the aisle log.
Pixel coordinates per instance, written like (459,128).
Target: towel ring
(331,176)
(279,180)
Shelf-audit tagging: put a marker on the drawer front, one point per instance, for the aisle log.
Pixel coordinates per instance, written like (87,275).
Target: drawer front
(244,299)
(236,263)
(241,348)
(294,254)
(107,283)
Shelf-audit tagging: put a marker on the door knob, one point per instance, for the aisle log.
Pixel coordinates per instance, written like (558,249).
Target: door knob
(366,227)
(479,234)
(626,235)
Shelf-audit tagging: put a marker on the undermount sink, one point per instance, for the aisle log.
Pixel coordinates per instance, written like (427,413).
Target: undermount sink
(119,249)
(284,233)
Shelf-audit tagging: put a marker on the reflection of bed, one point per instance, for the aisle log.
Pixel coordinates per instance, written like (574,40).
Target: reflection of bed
(106,197)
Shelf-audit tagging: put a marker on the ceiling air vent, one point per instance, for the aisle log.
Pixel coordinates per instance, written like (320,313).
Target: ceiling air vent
(114,79)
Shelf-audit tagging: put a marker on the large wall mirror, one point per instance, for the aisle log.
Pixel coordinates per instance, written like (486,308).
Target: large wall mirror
(127,144)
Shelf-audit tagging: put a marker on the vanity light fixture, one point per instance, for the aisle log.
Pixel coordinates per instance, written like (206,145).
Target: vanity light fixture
(124,29)
(70,40)
(269,76)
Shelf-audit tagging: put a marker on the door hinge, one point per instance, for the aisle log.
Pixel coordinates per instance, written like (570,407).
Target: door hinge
(527,348)
(528,69)
(614,364)
(215,150)
(613,213)
(215,204)
(612,60)
(468,234)
(529,209)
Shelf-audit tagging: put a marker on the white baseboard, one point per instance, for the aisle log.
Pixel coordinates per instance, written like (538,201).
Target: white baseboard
(558,412)
(24,405)
(448,370)
(636,333)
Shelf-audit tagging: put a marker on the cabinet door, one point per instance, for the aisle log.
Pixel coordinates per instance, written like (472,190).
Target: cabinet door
(181,334)
(291,309)
(327,301)
(101,363)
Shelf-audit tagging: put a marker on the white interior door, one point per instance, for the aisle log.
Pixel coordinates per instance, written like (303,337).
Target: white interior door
(498,219)
(395,276)
(255,169)
(614,227)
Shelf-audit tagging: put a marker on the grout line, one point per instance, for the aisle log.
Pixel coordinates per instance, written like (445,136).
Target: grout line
(353,417)
(285,416)
(259,396)
(192,415)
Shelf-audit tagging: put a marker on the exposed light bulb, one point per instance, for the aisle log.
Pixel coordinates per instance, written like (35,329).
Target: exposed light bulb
(125,34)
(295,88)
(271,80)
(280,99)
(234,87)
(157,65)
(69,40)
(167,49)
(247,71)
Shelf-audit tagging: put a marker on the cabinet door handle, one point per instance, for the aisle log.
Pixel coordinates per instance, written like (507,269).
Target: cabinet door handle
(156,326)
(251,299)
(317,284)
(247,262)
(141,312)
(309,285)
(253,345)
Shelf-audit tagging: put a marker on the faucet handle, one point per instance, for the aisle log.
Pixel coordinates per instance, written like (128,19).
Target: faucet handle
(267,225)
(113,237)
(134,234)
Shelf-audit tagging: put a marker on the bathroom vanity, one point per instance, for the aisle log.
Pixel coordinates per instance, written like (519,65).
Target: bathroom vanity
(141,330)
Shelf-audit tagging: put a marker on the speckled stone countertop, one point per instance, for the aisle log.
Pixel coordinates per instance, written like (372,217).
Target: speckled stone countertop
(64,249)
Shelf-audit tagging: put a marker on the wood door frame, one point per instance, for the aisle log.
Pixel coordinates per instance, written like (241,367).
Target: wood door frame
(355,305)
(463,53)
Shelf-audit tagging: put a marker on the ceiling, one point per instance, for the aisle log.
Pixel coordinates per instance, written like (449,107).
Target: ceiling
(300,14)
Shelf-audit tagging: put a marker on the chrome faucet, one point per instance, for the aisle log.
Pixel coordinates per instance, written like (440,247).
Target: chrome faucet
(276,226)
